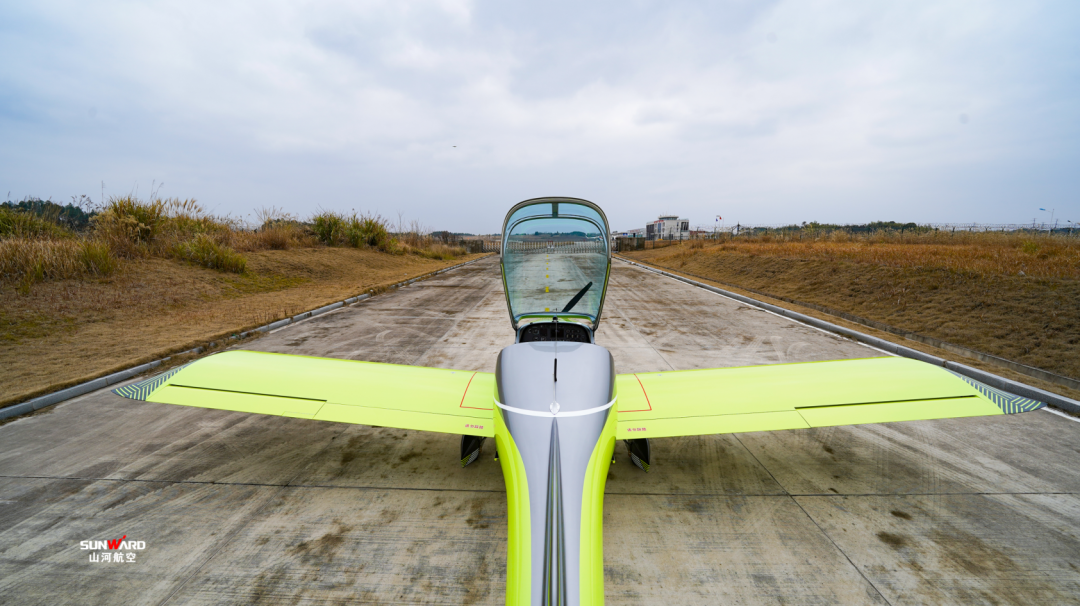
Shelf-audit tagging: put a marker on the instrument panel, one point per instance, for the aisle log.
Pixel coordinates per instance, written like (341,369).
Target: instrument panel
(546,331)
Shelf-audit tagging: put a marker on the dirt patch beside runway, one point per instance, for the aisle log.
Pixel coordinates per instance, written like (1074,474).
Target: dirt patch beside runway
(1033,320)
(65,332)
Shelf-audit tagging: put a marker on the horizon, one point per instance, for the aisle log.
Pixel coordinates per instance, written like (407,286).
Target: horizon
(1057,224)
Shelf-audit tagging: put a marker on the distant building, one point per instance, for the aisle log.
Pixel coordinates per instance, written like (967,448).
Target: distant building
(630,233)
(668,227)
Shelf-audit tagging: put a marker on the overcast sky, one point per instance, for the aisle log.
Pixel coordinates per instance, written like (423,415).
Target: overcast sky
(451,111)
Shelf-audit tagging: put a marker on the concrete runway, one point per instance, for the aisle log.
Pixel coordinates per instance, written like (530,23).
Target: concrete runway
(237,508)
(543,280)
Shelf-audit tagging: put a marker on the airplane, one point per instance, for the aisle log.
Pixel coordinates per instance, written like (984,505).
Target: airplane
(555,425)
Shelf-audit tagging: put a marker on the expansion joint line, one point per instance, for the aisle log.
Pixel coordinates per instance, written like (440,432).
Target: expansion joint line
(812,520)
(245,523)
(784,495)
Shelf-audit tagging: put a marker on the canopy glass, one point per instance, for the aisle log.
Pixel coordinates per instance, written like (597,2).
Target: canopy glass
(555,260)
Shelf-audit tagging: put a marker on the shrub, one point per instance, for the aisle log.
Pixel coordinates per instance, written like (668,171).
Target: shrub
(97,259)
(371,232)
(129,226)
(204,250)
(358,231)
(329,228)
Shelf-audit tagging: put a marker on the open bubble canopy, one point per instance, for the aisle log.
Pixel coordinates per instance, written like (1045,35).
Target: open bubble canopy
(556,258)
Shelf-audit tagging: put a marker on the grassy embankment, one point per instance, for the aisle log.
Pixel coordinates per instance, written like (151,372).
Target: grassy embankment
(150,278)
(1016,296)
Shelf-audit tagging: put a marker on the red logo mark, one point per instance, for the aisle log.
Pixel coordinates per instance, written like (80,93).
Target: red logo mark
(115,544)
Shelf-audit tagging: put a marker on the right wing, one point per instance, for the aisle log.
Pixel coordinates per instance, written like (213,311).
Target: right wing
(807,394)
(326,389)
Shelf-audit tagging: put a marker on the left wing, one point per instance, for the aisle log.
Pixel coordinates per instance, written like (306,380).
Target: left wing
(326,389)
(807,394)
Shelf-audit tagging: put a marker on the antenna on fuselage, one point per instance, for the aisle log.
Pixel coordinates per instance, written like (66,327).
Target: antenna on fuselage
(555,371)
(556,340)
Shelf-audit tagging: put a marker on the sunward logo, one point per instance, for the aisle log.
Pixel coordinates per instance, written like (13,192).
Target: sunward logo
(113,545)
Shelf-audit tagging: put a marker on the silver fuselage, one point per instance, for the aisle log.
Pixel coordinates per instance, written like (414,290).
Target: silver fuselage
(556,423)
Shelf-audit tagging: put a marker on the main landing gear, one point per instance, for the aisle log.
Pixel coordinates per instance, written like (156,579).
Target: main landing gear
(640,454)
(471,447)
(637,448)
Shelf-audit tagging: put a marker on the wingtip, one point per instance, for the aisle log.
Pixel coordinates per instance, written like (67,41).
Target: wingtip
(1009,404)
(141,390)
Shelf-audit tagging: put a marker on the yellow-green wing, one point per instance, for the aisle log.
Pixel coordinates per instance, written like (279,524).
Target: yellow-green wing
(347,391)
(809,394)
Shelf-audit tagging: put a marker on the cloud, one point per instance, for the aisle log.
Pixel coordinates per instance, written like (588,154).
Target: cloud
(769,112)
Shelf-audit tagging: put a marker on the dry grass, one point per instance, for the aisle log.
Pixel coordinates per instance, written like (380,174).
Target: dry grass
(141,282)
(25,261)
(414,238)
(33,249)
(14,224)
(277,230)
(1011,295)
(174,228)
(36,248)
(435,250)
(66,331)
(978,253)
